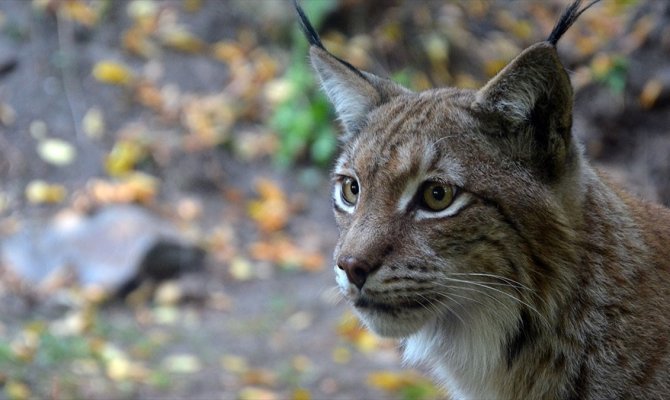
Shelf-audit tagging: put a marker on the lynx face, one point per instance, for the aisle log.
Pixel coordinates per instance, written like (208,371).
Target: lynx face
(419,238)
(440,195)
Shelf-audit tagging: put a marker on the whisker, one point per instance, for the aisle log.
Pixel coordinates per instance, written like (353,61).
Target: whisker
(512,283)
(503,293)
(445,305)
(332,295)
(477,290)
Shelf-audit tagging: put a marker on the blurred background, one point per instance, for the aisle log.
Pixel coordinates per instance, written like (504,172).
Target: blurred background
(165,217)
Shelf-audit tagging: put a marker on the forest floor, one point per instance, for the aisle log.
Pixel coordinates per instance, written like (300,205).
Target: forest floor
(172,106)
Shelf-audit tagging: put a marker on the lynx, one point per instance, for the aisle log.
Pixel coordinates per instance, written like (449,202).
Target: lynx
(473,229)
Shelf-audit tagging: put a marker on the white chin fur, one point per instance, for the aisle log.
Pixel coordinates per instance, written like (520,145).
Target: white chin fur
(391,327)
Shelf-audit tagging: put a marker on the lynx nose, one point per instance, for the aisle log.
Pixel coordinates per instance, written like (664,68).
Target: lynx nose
(357,270)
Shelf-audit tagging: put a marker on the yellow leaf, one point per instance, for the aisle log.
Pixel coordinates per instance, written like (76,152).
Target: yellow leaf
(228,52)
(182,40)
(271,211)
(39,192)
(80,12)
(301,394)
(367,342)
(601,65)
(386,380)
(394,381)
(56,151)
(113,73)
(136,41)
(123,157)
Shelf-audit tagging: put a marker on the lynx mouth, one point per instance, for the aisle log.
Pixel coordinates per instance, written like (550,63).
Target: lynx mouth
(366,303)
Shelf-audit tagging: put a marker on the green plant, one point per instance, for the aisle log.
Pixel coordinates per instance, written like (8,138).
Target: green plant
(303,119)
(611,71)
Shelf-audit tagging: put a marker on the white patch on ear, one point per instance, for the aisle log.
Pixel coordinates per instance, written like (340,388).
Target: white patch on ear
(519,101)
(351,92)
(350,104)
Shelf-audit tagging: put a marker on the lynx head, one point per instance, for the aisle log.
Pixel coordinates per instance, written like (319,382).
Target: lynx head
(445,198)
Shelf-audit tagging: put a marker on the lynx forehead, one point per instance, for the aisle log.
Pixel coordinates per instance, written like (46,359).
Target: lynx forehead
(473,229)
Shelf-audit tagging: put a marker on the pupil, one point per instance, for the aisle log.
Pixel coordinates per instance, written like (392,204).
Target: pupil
(354,188)
(438,193)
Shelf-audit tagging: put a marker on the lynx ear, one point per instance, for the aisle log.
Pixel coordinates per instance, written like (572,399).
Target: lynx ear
(354,93)
(531,102)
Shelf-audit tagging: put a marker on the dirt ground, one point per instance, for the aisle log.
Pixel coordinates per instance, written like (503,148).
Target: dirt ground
(187,90)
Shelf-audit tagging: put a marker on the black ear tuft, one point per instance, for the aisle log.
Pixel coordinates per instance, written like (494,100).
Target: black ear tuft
(307,28)
(568,18)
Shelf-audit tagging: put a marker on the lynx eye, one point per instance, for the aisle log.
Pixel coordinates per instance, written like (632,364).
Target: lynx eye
(350,190)
(436,196)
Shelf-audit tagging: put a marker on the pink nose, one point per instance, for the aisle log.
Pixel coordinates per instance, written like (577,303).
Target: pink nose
(357,270)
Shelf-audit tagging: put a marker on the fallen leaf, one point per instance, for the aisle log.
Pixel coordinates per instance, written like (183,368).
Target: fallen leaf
(387,380)
(408,382)
(56,152)
(271,211)
(182,363)
(650,93)
(283,252)
(79,11)
(178,38)
(241,269)
(124,156)
(93,123)
(351,330)
(113,73)
(40,192)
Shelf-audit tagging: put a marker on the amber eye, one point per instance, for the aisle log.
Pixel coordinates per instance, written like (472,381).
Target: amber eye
(436,196)
(350,190)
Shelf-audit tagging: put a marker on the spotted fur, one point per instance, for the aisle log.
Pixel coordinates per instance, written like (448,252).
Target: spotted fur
(540,279)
